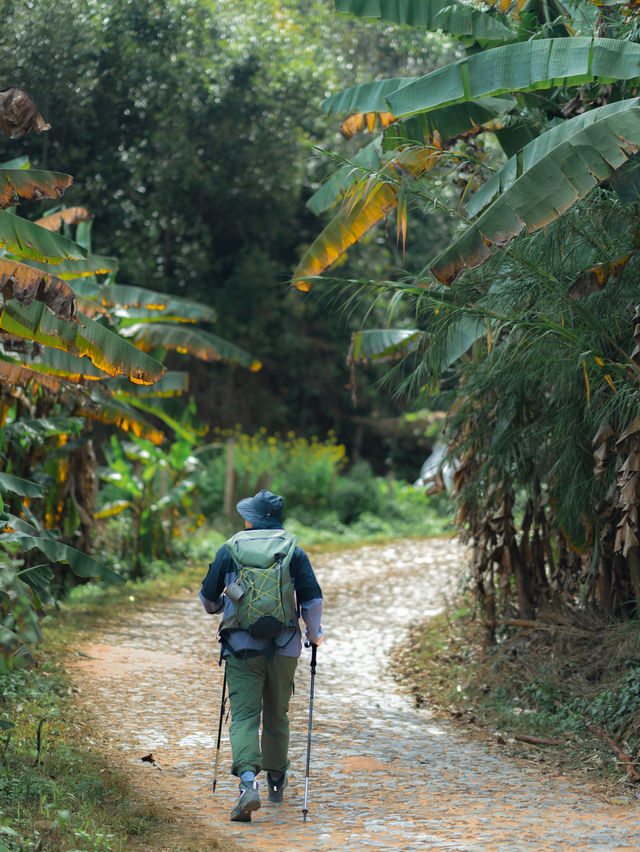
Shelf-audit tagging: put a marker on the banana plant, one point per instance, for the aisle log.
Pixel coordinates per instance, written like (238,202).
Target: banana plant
(551,77)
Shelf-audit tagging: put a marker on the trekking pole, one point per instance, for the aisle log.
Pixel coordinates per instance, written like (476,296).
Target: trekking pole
(314,650)
(222,702)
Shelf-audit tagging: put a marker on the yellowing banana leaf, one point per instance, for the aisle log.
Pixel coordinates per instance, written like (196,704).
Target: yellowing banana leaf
(201,344)
(344,230)
(128,297)
(517,165)
(68,270)
(30,184)
(173,383)
(190,428)
(18,376)
(558,178)
(19,114)
(21,282)
(103,409)
(384,344)
(445,15)
(103,347)
(369,159)
(525,66)
(110,510)
(70,216)
(56,362)
(28,240)
(359,121)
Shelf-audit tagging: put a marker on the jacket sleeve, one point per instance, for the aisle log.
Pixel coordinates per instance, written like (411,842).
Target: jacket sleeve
(308,594)
(213,584)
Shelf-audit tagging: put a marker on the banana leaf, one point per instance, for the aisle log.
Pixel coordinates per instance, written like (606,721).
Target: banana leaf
(118,413)
(103,347)
(173,383)
(366,97)
(344,230)
(445,15)
(129,297)
(527,66)
(16,375)
(56,362)
(196,342)
(384,344)
(68,216)
(19,486)
(81,268)
(16,183)
(559,176)
(80,563)
(21,282)
(28,240)
(517,165)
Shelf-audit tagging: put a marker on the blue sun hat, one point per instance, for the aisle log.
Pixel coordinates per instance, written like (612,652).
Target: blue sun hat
(263,510)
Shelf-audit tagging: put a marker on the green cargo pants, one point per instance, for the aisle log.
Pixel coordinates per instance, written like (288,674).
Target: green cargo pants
(259,687)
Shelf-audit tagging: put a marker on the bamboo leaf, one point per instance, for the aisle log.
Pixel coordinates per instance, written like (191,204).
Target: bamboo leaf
(28,240)
(526,66)
(555,180)
(445,15)
(16,183)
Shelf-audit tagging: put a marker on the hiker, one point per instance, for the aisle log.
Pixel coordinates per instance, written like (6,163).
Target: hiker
(261,655)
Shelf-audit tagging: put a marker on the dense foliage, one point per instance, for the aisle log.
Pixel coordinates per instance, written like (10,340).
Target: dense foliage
(526,324)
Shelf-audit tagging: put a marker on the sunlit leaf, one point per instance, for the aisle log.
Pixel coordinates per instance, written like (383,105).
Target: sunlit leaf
(110,510)
(30,184)
(106,350)
(344,230)
(70,216)
(360,121)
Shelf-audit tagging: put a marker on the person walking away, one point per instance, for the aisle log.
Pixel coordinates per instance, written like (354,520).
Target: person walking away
(261,582)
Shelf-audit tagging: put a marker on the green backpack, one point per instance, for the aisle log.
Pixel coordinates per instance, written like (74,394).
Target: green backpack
(263,597)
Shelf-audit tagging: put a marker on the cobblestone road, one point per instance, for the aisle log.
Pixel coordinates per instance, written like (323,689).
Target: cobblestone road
(384,775)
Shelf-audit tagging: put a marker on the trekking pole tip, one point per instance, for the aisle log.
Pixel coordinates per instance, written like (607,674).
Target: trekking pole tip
(304,814)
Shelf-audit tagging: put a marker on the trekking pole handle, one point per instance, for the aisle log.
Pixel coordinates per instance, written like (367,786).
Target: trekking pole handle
(314,653)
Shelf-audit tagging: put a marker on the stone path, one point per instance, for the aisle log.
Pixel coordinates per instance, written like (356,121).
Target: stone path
(384,776)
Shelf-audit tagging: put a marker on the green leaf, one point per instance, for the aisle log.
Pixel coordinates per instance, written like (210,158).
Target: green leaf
(539,147)
(80,563)
(6,725)
(110,510)
(563,169)
(173,383)
(28,240)
(526,66)
(199,343)
(366,97)
(19,486)
(160,304)
(68,270)
(384,344)
(117,412)
(444,15)
(107,350)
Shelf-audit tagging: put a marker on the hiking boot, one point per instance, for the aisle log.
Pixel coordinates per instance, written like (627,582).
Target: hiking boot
(248,801)
(276,787)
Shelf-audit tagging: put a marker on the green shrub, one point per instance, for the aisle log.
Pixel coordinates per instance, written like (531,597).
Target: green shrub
(355,493)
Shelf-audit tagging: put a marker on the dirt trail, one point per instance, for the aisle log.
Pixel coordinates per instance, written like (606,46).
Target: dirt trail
(385,776)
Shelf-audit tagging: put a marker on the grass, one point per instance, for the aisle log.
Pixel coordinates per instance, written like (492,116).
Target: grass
(569,679)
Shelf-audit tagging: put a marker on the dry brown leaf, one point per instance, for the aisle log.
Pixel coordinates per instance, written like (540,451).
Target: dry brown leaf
(19,114)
